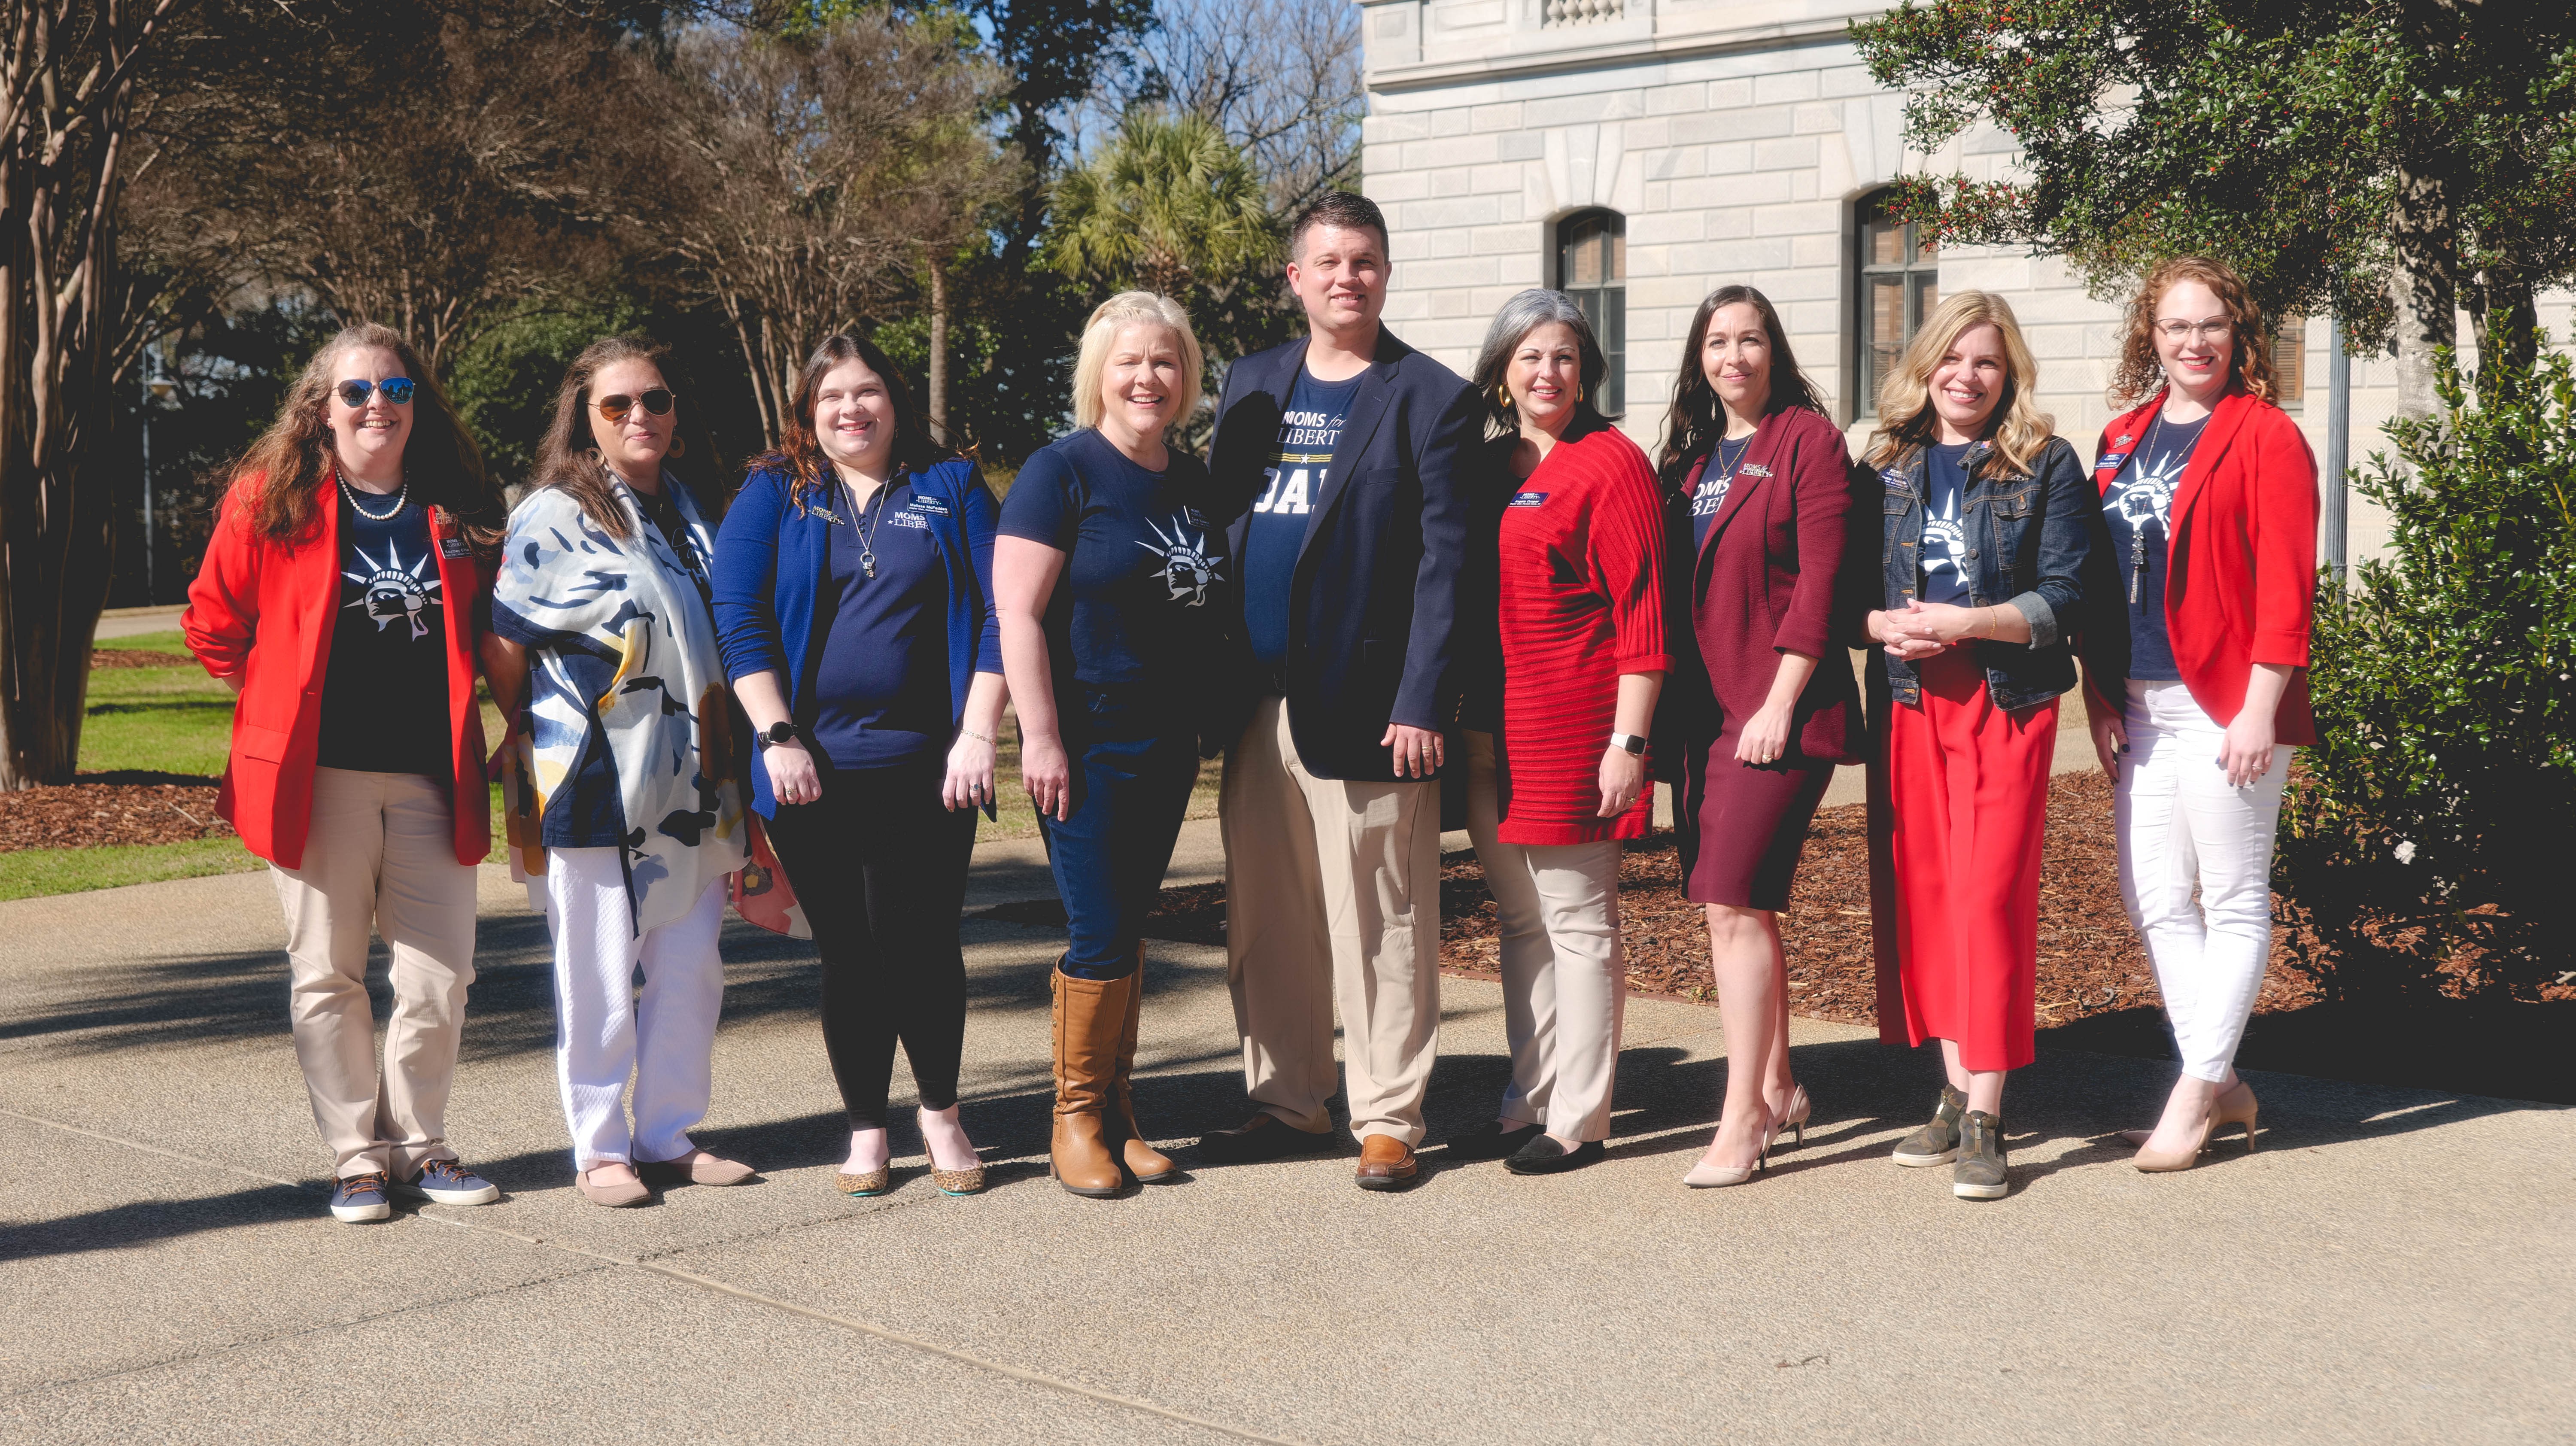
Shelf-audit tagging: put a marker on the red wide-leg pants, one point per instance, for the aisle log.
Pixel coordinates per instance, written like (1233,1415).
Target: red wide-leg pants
(1968,787)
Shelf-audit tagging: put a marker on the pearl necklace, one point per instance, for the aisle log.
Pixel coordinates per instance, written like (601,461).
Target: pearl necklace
(402,493)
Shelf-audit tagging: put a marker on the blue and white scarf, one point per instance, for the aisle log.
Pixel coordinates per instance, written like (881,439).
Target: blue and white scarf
(622,646)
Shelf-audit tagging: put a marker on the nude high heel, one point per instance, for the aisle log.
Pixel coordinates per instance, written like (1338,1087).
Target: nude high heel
(2236,1106)
(1705,1176)
(1794,1118)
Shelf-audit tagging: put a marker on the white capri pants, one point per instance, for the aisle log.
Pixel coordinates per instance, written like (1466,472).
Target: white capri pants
(1565,981)
(2181,824)
(607,1031)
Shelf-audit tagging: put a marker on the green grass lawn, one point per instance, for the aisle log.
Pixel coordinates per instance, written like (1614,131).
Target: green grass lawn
(178,720)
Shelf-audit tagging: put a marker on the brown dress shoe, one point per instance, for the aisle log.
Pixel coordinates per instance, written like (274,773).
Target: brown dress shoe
(695,1168)
(1149,1165)
(1089,1016)
(1386,1163)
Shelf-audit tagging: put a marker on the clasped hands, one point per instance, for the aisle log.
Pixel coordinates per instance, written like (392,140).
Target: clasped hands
(1922,630)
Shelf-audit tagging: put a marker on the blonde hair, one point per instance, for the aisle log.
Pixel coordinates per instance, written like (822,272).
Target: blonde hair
(2020,430)
(1126,309)
(2141,373)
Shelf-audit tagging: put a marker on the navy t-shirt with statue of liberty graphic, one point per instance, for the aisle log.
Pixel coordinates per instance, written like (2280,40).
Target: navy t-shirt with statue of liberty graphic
(1945,537)
(2139,508)
(1141,606)
(384,693)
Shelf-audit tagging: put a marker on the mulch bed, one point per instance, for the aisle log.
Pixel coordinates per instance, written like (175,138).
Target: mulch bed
(133,658)
(87,814)
(2090,962)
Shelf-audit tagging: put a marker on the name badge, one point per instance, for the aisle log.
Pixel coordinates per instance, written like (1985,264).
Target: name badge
(912,520)
(1754,469)
(453,547)
(930,505)
(2110,464)
(1894,479)
(1192,517)
(1528,499)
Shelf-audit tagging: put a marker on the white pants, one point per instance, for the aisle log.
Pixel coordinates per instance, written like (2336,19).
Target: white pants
(1565,981)
(607,1031)
(2180,823)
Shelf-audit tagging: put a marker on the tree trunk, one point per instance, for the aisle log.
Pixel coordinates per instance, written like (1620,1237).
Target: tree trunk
(2423,288)
(939,351)
(69,104)
(2506,323)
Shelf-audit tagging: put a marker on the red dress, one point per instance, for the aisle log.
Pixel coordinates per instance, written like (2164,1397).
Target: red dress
(1581,603)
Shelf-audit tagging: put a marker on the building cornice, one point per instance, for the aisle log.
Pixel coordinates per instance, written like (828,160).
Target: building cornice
(1624,52)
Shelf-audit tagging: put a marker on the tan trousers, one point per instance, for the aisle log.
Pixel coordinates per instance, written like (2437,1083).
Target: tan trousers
(1332,894)
(379,857)
(1565,982)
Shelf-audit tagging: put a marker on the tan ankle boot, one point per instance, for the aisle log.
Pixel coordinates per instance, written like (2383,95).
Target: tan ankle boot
(1088,1016)
(1149,1165)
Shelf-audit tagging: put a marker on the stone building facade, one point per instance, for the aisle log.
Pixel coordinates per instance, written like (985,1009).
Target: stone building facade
(1639,153)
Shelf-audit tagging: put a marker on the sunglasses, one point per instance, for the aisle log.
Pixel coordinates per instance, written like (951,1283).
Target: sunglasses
(397,390)
(614,409)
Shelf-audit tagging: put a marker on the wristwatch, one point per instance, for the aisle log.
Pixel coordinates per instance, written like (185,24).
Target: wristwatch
(1628,743)
(776,733)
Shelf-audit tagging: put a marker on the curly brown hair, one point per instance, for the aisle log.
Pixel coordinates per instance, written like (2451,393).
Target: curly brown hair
(289,469)
(2141,375)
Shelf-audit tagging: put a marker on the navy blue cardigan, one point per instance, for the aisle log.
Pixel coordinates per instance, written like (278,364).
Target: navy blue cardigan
(773,561)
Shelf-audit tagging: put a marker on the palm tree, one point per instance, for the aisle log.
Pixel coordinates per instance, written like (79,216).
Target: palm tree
(1169,205)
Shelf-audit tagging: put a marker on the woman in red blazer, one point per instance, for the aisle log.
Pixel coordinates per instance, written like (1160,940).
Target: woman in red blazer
(2198,681)
(1758,483)
(342,598)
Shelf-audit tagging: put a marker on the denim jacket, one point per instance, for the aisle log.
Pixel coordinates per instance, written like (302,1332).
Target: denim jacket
(2028,534)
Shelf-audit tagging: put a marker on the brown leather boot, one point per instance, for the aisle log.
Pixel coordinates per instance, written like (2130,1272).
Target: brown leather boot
(1088,1016)
(1149,1165)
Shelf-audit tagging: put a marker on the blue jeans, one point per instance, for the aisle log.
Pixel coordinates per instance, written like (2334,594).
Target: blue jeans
(1132,773)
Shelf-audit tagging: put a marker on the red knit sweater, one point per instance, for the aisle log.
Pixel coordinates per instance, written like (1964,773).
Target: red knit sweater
(1582,603)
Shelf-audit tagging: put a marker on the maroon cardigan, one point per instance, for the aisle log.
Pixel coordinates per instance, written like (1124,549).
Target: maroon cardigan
(1769,580)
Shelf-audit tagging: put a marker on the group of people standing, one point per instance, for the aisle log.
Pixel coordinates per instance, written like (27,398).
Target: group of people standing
(1391,600)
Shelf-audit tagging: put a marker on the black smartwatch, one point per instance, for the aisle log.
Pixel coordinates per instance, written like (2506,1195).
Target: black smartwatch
(776,733)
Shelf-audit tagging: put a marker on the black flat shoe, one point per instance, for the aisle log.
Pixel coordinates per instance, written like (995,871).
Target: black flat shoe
(1544,1156)
(1263,1137)
(1489,1141)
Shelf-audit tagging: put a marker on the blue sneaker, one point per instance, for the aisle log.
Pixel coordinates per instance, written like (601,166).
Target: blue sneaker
(360,1198)
(448,1182)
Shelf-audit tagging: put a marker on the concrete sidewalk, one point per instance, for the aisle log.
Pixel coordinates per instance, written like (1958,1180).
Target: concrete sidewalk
(2393,1265)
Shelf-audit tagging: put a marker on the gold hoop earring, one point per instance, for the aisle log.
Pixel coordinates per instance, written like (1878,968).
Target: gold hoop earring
(1502,398)
(1578,394)
(679,445)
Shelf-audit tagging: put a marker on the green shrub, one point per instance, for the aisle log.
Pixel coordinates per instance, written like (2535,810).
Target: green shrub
(2427,830)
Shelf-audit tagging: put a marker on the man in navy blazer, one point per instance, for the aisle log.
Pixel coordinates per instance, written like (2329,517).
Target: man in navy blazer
(1348,443)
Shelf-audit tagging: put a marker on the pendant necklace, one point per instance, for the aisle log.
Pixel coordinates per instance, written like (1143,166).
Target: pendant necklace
(867,530)
(402,490)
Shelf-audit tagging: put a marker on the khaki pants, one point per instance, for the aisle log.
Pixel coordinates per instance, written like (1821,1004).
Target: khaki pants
(379,857)
(1565,983)
(1332,893)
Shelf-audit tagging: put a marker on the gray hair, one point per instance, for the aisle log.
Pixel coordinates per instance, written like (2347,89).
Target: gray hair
(1520,316)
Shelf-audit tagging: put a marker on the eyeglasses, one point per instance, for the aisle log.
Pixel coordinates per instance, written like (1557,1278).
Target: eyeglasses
(614,409)
(2210,330)
(397,390)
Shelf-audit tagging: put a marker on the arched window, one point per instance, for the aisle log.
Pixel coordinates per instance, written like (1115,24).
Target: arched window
(1896,283)
(1592,267)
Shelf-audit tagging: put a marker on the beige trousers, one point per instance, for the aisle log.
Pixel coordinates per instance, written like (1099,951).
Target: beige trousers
(379,857)
(1332,894)
(1565,981)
